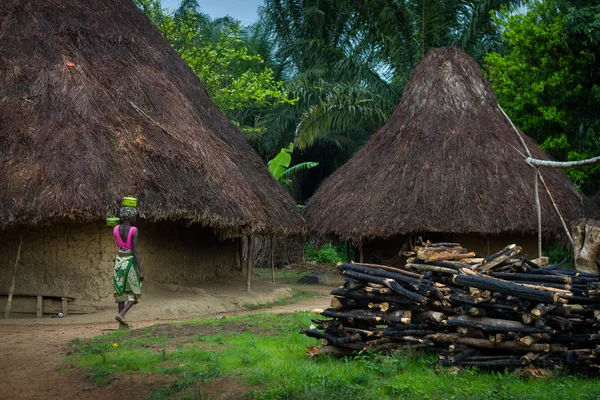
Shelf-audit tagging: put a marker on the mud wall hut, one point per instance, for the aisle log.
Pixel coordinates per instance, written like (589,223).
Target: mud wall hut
(95,105)
(446,166)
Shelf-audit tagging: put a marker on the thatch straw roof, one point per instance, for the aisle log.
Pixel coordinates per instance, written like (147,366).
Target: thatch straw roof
(129,117)
(447,161)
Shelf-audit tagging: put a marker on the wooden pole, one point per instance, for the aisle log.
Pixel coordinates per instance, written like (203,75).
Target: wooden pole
(562,220)
(272,262)
(11,291)
(562,164)
(538,210)
(249,263)
(538,207)
(360,250)
(348,250)
(552,164)
(241,253)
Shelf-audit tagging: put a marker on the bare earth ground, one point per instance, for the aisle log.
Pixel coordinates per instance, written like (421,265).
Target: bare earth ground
(32,350)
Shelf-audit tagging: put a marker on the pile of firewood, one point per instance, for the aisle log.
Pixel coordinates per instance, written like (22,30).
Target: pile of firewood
(500,311)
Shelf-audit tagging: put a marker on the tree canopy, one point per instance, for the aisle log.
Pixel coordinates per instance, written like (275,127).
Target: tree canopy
(237,79)
(548,79)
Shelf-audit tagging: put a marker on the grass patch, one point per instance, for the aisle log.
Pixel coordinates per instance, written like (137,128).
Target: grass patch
(282,275)
(265,354)
(297,296)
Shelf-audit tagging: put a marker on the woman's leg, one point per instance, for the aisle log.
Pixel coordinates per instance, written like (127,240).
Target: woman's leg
(126,308)
(121,305)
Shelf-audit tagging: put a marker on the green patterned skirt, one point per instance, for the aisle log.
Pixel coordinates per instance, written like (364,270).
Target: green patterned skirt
(128,286)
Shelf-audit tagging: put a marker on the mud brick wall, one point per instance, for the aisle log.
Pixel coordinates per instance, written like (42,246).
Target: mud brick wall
(77,259)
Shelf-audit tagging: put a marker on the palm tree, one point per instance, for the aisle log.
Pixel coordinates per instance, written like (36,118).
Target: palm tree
(331,73)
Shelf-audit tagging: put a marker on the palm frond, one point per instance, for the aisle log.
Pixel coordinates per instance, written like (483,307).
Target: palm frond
(345,109)
(297,168)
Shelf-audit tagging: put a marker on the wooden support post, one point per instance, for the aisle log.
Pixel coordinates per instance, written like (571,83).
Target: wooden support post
(40,307)
(241,252)
(348,251)
(272,262)
(65,306)
(553,164)
(562,220)
(360,250)
(11,291)
(249,263)
(538,210)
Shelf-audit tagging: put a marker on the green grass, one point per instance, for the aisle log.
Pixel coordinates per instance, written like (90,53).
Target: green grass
(298,295)
(282,276)
(265,353)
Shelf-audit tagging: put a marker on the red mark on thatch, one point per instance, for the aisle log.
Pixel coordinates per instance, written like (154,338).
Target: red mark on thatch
(70,64)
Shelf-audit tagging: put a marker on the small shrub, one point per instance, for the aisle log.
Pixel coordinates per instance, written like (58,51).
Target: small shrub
(558,253)
(327,254)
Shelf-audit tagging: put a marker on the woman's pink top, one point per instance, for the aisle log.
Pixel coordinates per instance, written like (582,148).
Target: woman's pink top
(120,243)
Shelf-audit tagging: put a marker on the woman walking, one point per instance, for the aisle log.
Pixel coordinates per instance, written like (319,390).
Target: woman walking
(128,273)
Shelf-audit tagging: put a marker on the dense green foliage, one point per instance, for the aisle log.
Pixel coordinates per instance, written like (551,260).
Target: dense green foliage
(238,80)
(280,168)
(326,254)
(265,355)
(548,79)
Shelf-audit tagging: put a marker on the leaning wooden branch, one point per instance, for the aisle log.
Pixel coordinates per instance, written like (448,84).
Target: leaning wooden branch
(11,291)
(562,164)
(538,207)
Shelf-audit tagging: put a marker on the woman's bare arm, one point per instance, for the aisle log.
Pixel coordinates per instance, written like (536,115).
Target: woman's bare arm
(136,256)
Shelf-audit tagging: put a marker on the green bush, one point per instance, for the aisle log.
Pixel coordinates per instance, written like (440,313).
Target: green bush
(327,254)
(558,253)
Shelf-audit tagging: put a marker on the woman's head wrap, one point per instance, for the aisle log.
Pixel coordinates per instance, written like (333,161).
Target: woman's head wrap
(126,213)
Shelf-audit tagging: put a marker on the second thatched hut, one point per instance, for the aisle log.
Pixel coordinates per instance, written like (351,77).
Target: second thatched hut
(447,166)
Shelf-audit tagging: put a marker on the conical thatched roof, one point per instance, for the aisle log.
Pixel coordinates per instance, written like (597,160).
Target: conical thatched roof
(447,161)
(128,118)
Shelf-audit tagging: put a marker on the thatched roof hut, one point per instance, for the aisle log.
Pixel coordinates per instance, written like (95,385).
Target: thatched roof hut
(447,161)
(94,105)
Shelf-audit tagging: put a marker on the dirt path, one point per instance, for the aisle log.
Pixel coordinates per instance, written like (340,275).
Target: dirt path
(32,353)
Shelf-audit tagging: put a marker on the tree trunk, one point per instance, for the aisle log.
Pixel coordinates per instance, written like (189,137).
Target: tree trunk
(389,283)
(505,287)
(415,283)
(315,351)
(586,235)
(486,344)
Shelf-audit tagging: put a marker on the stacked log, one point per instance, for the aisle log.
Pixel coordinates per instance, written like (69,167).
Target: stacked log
(503,310)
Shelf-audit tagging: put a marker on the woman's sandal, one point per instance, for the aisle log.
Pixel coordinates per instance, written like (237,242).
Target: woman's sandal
(122,323)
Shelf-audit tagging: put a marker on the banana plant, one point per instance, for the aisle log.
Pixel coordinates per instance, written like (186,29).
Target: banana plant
(280,168)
